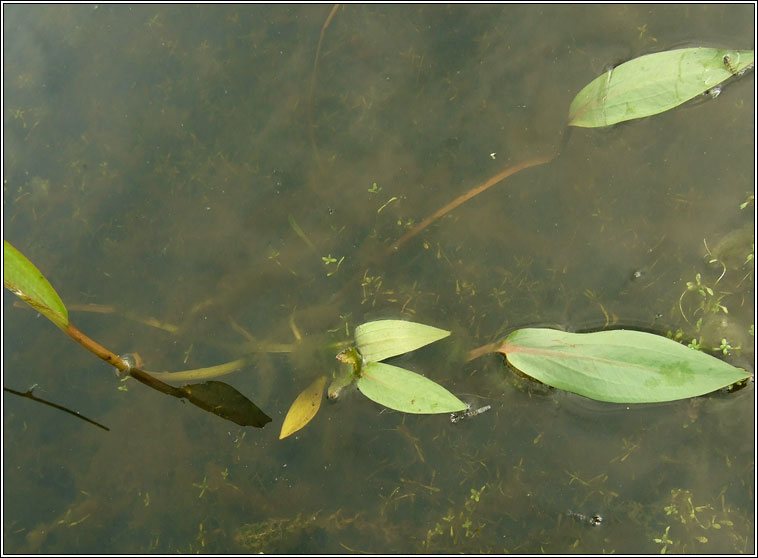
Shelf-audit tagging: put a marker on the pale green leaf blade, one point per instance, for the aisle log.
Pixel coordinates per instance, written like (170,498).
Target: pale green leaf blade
(406,391)
(387,338)
(24,279)
(654,83)
(620,366)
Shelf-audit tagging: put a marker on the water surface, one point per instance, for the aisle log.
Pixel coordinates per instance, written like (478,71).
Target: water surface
(171,161)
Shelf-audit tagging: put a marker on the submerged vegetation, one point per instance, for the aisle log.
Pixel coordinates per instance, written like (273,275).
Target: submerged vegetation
(276,293)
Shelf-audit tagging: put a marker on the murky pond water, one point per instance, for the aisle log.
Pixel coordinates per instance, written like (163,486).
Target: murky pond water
(202,175)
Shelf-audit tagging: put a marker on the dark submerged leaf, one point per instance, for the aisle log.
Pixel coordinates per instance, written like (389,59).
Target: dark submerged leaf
(223,400)
(215,397)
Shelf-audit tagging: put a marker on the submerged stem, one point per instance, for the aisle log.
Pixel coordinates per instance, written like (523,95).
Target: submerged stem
(467,196)
(94,347)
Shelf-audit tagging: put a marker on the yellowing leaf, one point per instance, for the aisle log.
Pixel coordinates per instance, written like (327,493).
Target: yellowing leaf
(304,408)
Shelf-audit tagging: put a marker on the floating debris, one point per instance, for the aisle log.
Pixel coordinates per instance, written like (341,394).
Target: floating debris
(469,412)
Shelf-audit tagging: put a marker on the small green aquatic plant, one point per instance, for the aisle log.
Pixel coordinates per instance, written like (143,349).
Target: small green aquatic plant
(692,527)
(457,525)
(391,386)
(718,286)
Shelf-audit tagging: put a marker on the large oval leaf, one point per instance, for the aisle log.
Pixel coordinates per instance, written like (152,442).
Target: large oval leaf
(406,391)
(654,83)
(24,279)
(387,338)
(304,408)
(620,366)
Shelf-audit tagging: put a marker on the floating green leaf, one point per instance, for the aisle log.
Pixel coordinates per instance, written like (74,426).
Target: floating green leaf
(23,278)
(621,366)
(387,385)
(387,338)
(406,391)
(654,83)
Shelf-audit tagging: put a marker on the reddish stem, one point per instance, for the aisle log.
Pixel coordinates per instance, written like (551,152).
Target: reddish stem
(96,348)
(467,196)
